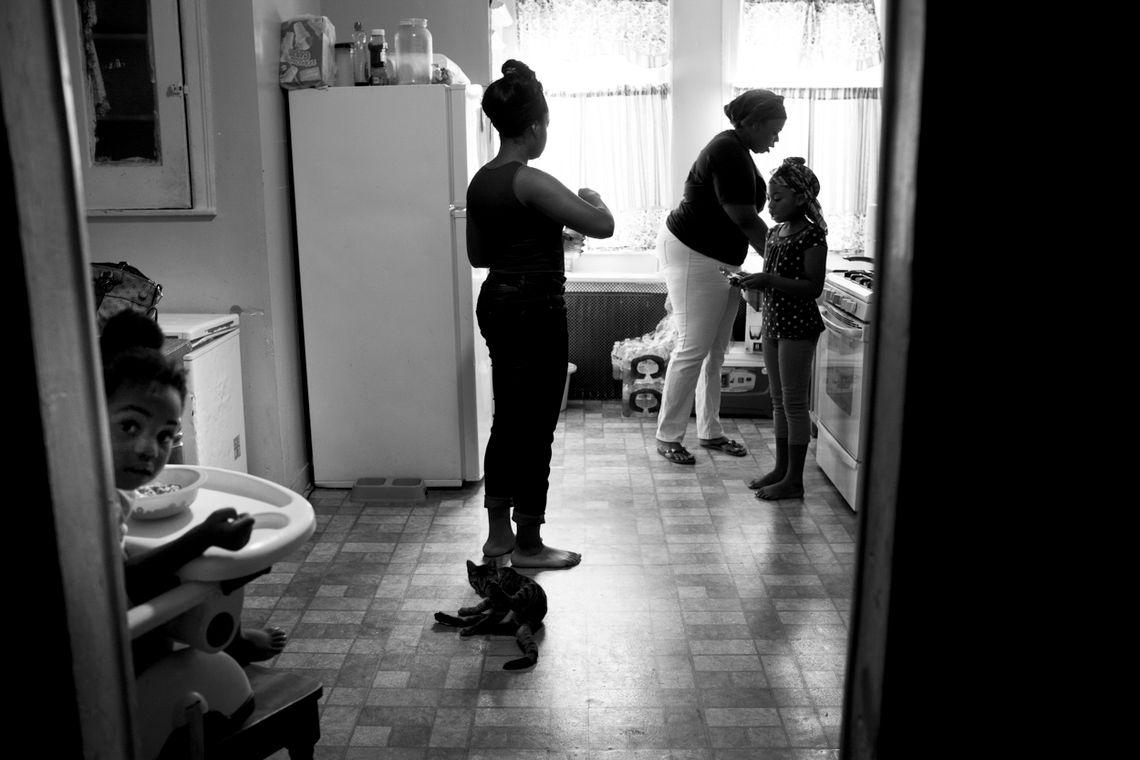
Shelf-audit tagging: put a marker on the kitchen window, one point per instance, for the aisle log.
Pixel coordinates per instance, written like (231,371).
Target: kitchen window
(604,65)
(825,58)
(606,68)
(141,93)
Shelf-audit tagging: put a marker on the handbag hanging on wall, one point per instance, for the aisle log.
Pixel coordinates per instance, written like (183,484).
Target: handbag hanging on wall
(121,286)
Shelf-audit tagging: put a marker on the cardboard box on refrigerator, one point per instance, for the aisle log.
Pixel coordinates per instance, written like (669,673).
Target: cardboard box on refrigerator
(307,52)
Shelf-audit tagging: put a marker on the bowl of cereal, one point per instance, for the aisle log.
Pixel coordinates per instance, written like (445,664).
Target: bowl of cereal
(172,492)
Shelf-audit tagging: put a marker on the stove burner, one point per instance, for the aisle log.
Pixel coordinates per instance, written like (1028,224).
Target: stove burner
(861,277)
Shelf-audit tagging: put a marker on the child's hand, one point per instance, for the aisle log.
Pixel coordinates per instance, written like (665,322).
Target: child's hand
(227,529)
(757,281)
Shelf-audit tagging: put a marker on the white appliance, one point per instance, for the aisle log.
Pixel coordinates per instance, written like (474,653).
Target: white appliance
(398,375)
(839,397)
(213,421)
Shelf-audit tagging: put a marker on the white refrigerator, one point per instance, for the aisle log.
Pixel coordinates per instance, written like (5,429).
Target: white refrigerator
(398,377)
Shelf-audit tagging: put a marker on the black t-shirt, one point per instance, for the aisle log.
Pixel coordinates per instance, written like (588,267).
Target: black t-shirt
(514,237)
(724,172)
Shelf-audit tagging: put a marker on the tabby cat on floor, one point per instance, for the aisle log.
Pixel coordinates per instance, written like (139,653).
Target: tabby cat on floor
(512,604)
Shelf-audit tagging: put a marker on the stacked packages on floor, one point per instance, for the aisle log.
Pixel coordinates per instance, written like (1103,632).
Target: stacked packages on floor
(640,364)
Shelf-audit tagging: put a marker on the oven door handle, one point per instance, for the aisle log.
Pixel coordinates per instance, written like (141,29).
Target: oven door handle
(847,331)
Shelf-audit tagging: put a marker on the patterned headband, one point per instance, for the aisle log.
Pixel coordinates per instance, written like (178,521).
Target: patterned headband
(795,175)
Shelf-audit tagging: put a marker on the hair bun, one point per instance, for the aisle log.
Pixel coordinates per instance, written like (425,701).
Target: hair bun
(795,161)
(517,69)
(128,330)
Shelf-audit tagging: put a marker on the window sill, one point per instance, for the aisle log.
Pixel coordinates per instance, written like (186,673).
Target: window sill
(610,263)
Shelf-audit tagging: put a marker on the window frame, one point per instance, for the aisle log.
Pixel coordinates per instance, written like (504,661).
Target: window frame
(116,191)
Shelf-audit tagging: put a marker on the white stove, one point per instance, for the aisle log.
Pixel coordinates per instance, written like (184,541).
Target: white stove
(851,291)
(839,389)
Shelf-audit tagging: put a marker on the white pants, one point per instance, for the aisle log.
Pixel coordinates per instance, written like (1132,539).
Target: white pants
(704,307)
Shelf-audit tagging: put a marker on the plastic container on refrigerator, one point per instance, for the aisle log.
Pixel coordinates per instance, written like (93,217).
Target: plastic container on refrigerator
(213,420)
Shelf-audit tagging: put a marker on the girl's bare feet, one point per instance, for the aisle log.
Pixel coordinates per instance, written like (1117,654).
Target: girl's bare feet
(781,490)
(773,477)
(791,486)
(545,556)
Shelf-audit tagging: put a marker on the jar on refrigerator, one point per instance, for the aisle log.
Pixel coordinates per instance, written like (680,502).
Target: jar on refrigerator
(412,54)
(378,58)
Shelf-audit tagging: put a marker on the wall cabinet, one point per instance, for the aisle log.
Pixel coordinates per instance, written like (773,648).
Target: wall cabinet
(141,86)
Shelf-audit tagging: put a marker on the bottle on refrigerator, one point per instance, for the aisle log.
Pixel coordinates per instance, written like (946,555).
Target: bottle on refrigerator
(413,52)
(377,57)
(359,54)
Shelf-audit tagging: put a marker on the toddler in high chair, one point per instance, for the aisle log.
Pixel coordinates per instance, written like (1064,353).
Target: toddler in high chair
(145,395)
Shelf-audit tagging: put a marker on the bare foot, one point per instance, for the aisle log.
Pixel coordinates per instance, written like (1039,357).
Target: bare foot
(781,490)
(257,644)
(500,536)
(497,546)
(546,556)
(775,476)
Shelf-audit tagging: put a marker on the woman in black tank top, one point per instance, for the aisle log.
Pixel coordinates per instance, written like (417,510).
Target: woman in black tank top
(515,218)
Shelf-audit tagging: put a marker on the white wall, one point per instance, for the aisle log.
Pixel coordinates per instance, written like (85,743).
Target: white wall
(460,29)
(291,446)
(241,260)
(699,93)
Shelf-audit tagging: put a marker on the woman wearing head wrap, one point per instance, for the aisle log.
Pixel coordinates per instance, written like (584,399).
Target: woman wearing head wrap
(712,227)
(515,218)
(795,260)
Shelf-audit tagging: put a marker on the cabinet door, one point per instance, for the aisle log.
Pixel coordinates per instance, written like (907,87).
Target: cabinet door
(140,105)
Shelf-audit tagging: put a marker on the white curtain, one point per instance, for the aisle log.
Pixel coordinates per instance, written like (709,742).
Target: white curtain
(587,45)
(614,142)
(807,42)
(824,57)
(604,66)
(836,130)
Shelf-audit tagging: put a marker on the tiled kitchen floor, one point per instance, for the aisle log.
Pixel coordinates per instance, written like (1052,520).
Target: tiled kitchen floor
(702,624)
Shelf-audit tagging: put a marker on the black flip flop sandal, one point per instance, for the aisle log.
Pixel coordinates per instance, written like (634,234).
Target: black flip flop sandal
(676,453)
(726,445)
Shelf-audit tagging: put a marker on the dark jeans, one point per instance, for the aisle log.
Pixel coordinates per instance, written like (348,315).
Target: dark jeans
(523,320)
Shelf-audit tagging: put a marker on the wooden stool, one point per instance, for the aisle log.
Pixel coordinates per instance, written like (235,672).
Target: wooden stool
(285,715)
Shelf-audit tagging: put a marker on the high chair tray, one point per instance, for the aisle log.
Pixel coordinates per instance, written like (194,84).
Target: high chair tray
(283,520)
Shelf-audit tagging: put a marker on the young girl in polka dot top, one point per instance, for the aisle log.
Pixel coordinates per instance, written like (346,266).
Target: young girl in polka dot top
(795,257)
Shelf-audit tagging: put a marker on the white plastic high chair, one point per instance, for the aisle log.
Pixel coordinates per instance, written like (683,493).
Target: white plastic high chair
(198,685)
